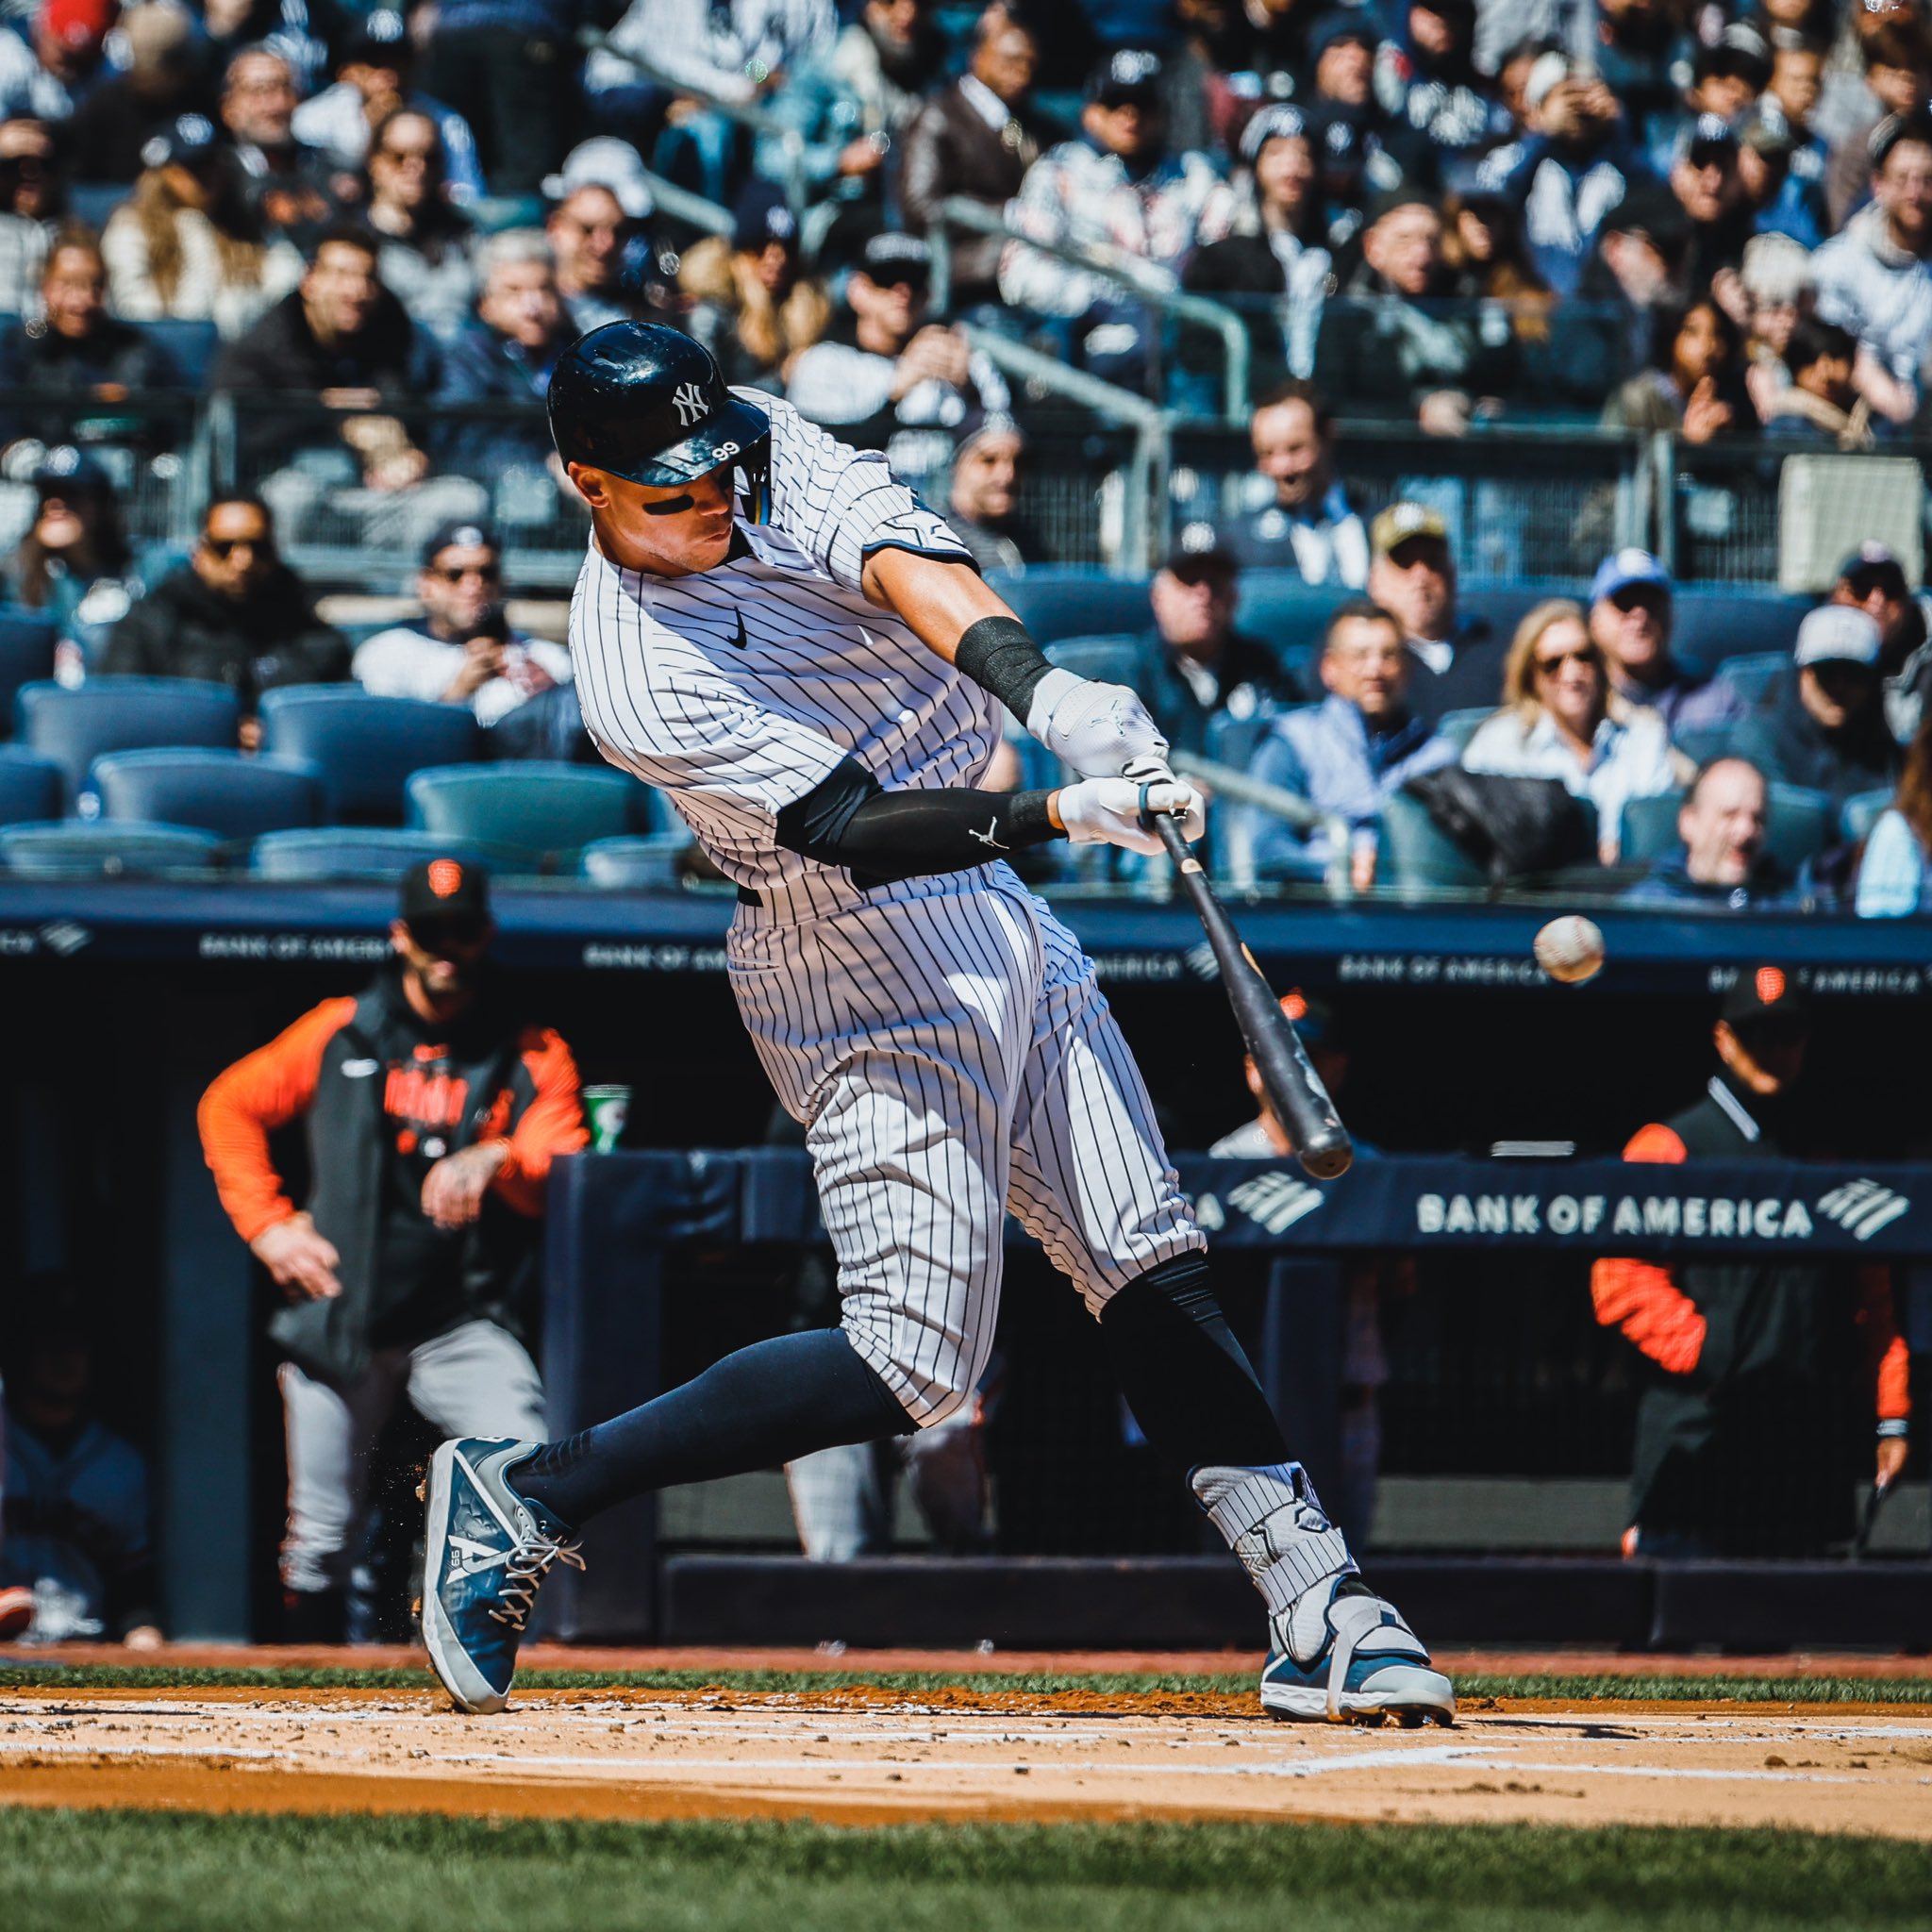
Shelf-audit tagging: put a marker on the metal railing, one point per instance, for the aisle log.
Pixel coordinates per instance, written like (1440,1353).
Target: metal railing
(958,212)
(683,205)
(1230,786)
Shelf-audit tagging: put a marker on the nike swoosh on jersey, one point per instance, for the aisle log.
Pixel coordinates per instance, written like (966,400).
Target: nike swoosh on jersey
(743,642)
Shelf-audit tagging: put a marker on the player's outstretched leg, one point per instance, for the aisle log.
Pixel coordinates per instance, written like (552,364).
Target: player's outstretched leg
(1336,1650)
(502,1513)
(485,1550)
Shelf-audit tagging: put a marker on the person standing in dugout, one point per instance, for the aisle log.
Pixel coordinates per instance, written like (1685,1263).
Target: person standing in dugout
(433,1112)
(773,630)
(1758,1366)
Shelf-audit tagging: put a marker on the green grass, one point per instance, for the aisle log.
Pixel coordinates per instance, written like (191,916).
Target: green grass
(1715,1687)
(148,1872)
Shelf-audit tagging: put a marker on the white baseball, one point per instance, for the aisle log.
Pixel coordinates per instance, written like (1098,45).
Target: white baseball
(1570,949)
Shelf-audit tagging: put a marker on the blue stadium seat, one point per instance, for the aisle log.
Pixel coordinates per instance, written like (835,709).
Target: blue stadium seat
(27,655)
(535,812)
(73,848)
(647,861)
(1859,813)
(107,714)
(1715,623)
(1756,677)
(225,793)
(355,852)
(1800,825)
(363,746)
(189,345)
(1107,659)
(1503,606)
(30,786)
(1285,612)
(1650,827)
(91,203)
(1418,856)
(1056,601)
(1458,728)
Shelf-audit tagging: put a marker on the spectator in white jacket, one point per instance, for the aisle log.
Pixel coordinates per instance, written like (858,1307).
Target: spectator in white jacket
(462,650)
(1561,720)
(1116,195)
(1871,277)
(186,246)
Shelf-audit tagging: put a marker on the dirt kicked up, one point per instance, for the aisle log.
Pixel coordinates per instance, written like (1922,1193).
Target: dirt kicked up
(862,1759)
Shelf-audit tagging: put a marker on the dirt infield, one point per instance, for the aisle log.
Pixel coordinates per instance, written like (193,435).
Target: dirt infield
(859,1759)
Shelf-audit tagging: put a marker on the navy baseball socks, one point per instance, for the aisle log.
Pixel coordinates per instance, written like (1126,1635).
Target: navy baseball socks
(499,1512)
(1336,1650)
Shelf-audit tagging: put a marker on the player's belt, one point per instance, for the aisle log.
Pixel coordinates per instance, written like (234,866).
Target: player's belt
(749,896)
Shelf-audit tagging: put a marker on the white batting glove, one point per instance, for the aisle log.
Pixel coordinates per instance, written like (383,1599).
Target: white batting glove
(1107,810)
(1098,728)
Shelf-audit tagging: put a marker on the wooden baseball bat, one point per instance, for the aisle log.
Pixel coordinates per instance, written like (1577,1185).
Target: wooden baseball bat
(1295,1090)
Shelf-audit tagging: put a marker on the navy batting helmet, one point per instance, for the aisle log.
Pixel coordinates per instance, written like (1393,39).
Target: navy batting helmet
(649,403)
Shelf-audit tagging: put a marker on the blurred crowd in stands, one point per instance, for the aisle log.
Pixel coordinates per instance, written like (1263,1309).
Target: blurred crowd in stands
(373,232)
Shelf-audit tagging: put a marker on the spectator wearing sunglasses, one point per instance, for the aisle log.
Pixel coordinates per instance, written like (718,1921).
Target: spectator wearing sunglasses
(425,244)
(233,615)
(461,650)
(1560,719)
(1631,615)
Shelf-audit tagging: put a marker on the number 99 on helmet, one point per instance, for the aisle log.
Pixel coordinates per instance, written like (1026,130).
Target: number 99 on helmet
(650,404)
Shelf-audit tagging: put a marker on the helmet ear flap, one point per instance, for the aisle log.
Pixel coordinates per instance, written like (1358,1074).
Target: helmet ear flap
(753,472)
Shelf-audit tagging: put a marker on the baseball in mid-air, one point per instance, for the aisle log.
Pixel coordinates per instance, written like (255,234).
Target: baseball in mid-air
(1570,949)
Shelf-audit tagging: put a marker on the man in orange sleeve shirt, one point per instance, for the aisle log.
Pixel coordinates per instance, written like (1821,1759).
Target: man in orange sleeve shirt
(433,1114)
(1758,1365)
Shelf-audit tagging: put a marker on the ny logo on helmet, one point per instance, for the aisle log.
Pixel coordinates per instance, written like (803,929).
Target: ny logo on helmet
(689,401)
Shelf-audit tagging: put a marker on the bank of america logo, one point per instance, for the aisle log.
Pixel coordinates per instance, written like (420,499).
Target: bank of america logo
(1862,1207)
(1276,1201)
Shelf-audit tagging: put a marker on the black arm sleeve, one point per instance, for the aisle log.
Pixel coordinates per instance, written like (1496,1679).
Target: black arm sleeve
(999,656)
(850,821)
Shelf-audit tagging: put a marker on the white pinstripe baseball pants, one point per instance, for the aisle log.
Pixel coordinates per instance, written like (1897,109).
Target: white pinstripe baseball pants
(944,1044)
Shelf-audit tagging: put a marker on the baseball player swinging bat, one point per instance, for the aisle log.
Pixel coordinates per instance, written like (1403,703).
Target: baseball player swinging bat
(1295,1090)
(776,633)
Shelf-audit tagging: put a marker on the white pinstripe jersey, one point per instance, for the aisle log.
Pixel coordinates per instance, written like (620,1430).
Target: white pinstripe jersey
(738,689)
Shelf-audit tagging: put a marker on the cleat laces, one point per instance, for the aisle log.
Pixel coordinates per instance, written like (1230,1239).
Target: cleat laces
(524,1567)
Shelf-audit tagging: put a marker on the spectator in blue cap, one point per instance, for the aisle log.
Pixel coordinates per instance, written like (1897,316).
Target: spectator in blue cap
(1630,622)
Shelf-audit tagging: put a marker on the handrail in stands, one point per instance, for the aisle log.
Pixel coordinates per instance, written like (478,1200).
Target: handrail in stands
(1147,478)
(1225,781)
(955,211)
(684,205)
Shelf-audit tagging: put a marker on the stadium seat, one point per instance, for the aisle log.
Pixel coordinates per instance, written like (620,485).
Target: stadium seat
(1503,606)
(1107,659)
(647,861)
(91,203)
(1056,601)
(1650,827)
(100,850)
(364,747)
(190,345)
(535,814)
(1754,677)
(1283,610)
(1801,823)
(225,793)
(27,655)
(30,786)
(1418,855)
(1859,813)
(353,852)
(1715,623)
(1458,728)
(108,714)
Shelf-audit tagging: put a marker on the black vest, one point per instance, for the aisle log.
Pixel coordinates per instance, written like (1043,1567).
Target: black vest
(360,1091)
(1750,1451)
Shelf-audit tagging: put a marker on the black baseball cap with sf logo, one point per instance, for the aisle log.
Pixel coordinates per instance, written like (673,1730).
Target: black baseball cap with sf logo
(444,892)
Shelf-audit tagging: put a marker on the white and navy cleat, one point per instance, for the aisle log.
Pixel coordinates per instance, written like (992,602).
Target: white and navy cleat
(486,1551)
(1343,1655)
